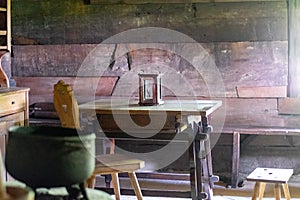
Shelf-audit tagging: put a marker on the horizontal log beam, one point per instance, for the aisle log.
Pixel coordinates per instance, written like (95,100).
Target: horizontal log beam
(263,92)
(172,1)
(41,88)
(289,106)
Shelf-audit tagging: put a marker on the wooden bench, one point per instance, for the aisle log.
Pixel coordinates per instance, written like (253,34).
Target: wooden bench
(252,130)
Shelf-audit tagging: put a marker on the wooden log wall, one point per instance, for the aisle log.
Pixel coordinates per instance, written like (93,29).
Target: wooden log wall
(247,41)
(242,65)
(73,22)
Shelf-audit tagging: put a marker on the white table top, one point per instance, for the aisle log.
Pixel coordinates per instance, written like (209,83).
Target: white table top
(125,105)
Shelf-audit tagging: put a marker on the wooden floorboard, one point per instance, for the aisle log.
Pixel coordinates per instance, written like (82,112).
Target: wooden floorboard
(162,176)
(181,188)
(149,192)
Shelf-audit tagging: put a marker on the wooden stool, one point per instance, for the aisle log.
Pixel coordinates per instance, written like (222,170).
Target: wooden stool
(270,175)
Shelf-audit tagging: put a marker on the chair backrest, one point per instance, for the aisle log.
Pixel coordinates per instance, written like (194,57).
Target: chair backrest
(66,105)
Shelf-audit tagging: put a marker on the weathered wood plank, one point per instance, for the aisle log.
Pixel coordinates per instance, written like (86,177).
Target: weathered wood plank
(173,1)
(254,112)
(251,112)
(204,22)
(289,106)
(242,64)
(275,91)
(41,88)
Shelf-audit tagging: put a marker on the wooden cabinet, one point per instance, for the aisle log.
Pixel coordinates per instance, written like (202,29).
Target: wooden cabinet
(13,111)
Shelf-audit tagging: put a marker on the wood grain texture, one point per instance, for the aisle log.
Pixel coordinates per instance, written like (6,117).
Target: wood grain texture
(265,92)
(41,88)
(254,112)
(239,64)
(173,1)
(290,106)
(205,22)
(66,105)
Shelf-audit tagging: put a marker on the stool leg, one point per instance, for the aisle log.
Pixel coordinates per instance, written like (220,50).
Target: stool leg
(116,184)
(286,191)
(135,185)
(277,191)
(262,187)
(255,191)
(91,182)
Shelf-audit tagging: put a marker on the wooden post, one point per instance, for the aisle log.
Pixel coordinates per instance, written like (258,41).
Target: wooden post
(294,48)
(235,159)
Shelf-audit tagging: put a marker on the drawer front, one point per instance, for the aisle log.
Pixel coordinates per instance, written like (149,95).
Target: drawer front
(11,103)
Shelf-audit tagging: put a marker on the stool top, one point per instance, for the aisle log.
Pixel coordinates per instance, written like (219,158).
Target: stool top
(272,175)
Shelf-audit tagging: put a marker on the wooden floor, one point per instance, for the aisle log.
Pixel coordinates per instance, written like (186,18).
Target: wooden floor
(155,188)
(180,188)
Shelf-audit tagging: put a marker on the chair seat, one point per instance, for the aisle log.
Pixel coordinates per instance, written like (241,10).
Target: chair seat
(271,175)
(116,163)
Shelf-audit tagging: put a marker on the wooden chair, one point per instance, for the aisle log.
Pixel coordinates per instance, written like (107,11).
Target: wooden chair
(67,108)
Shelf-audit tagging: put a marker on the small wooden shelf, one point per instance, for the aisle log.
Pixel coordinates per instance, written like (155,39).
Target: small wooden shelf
(6,32)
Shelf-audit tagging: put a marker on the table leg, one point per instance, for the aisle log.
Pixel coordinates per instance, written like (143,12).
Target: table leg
(201,173)
(193,178)
(198,169)
(208,177)
(195,173)
(195,163)
(205,168)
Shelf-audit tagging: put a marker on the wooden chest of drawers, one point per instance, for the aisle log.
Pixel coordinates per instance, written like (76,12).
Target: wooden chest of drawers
(14,110)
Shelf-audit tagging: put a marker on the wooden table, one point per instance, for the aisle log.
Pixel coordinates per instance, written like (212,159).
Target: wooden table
(190,117)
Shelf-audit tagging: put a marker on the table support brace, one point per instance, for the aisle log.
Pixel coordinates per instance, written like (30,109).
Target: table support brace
(202,178)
